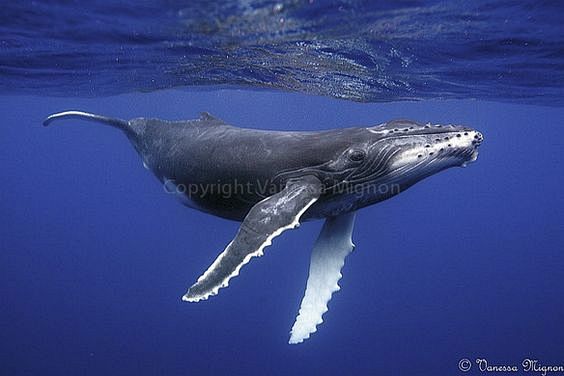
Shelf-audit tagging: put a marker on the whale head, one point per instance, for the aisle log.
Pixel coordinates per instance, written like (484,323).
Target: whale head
(391,157)
(404,152)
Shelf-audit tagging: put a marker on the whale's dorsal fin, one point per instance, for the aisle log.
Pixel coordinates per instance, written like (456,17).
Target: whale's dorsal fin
(206,116)
(327,258)
(266,220)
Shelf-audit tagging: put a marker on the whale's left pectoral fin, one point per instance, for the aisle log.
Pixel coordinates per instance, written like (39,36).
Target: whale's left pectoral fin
(266,220)
(327,258)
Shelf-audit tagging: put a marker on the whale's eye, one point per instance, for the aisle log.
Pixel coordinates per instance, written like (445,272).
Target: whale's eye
(357,155)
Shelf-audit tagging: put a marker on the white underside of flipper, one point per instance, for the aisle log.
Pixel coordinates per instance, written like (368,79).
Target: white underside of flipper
(327,258)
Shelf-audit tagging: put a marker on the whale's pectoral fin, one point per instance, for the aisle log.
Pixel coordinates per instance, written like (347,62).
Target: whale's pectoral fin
(327,258)
(266,220)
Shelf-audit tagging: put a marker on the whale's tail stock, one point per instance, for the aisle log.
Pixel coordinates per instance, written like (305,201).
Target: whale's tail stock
(114,122)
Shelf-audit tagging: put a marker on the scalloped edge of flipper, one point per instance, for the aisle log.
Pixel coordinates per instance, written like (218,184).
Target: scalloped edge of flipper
(259,252)
(298,338)
(331,248)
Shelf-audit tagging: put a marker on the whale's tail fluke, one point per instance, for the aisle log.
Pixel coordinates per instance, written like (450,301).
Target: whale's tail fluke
(118,123)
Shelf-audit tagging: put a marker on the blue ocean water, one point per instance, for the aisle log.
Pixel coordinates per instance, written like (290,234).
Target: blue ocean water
(94,258)
(368,51)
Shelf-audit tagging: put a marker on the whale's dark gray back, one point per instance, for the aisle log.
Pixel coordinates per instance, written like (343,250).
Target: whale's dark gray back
(210,152)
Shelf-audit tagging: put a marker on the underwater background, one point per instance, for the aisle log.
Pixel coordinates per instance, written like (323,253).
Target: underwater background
(95,256)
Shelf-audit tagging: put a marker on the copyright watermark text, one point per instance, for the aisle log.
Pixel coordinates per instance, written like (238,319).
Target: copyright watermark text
(230,189)
(528,365)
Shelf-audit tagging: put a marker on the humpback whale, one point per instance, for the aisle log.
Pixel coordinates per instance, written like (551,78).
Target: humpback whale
(271,181)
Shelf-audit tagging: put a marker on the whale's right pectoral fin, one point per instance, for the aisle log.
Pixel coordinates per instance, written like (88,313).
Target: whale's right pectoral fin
(266,220)
(327,258)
